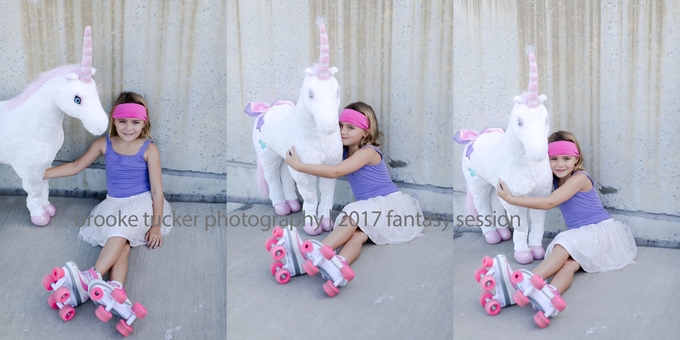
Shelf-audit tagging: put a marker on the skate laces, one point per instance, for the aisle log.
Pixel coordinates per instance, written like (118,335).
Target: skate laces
(88,276)
(116,284)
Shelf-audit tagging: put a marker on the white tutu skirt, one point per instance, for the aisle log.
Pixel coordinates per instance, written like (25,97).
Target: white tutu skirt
(392,219)
(114,217)
(601,247)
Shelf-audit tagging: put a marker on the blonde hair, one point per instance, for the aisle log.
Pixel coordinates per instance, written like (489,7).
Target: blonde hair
(374,136)
(130,97)
(569,137)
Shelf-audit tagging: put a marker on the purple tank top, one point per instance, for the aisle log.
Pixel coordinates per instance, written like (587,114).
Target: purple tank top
(126,175)
(371,180)
(583,208)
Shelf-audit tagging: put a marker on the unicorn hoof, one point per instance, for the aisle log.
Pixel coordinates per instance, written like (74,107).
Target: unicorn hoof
(537,252)
(312,229)
(505,233)
(51,210)
(326,224)
(524,257)
(282,209)
(294,205)
(41,220)
(492,237)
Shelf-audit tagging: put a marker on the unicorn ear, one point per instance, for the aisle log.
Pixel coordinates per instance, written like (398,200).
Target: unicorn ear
(333,70)
(309,71)
(541,98)
(71,76)
(94,70)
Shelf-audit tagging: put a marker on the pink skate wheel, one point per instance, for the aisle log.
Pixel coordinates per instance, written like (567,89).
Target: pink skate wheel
(282,276)
(139,310)
(516,277)
(330,289)
(275,266)
(278,252)
(269,243)
(558,303)
(119,295)
(492,307)
(327,252)
(123,328)
(62,294)
(487,262)
(57,273)
(310,268)
(479,273)
(485,297)
(306,247)
(67,312)
(50,209)
(97,293)
(541,320)
(47,282)
(277,232)
(487,282)
(347,273)
(537,282)
(520,299)
(102,314)
(52,302)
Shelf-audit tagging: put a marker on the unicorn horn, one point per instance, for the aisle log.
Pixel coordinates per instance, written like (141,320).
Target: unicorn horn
(86,61)
(532,95)
(324,57)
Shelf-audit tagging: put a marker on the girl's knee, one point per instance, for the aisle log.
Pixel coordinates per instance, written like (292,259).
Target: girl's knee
(126,249)
(571,265)
(359,237)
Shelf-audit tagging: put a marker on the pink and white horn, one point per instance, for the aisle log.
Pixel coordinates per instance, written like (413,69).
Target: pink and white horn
(86,61)
(324,56)
(532,93)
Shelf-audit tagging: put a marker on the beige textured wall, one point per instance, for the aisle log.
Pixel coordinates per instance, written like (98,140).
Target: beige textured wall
(171,52)
(612,77)
(393,55)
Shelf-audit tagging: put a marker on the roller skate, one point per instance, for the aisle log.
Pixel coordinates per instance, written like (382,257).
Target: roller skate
(70,288)
(544,298)
(495,273)
(285,245)
(111,299)
(334,268)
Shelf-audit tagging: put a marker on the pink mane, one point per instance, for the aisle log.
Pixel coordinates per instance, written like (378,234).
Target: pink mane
(38,83)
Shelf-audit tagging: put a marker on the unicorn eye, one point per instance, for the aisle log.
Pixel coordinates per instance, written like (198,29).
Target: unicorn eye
(311,94)
(520,122)
(76,100)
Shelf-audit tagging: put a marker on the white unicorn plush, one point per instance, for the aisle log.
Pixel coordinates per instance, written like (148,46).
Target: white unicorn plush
(520,158)
(311,126)
(31,130)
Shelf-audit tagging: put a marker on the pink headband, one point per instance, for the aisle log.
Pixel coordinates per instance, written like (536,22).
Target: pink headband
(562,148)
(354,117)
(130,110)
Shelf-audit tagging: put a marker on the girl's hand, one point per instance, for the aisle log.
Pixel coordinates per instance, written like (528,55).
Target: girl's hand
(502,190)
(153,238)
(292,158)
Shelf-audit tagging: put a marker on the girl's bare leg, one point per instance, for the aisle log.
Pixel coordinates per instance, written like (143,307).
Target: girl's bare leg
(565,275)
(341,234)
(553,263)
(120,268)
(110,254)
(350,251)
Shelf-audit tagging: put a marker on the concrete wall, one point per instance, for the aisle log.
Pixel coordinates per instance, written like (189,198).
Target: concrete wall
(170,52)
(612,76)
(393,55)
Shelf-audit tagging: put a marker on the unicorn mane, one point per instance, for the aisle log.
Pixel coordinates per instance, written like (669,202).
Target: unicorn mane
(38,83)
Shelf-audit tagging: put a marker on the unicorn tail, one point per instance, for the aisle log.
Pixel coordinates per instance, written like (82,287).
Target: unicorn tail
(262,185)
(470,204)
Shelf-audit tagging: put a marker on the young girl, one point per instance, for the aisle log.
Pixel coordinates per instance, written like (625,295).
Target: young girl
(134,212)
(594,241)
(381,213)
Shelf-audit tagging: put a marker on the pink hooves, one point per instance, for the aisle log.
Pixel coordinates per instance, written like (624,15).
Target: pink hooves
(492,237)
(326,224)
(524,257)
(282,209)
(41,220)
(312,229)
(51,210)
(505,233)
(537,252)
(294,205)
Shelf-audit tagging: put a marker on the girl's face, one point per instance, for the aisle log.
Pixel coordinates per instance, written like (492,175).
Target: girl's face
(128,129)
(351,134)
(563,165)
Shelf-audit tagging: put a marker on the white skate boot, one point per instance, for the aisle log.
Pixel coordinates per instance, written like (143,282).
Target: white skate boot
(545,298)
(284,246)
(495,273)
